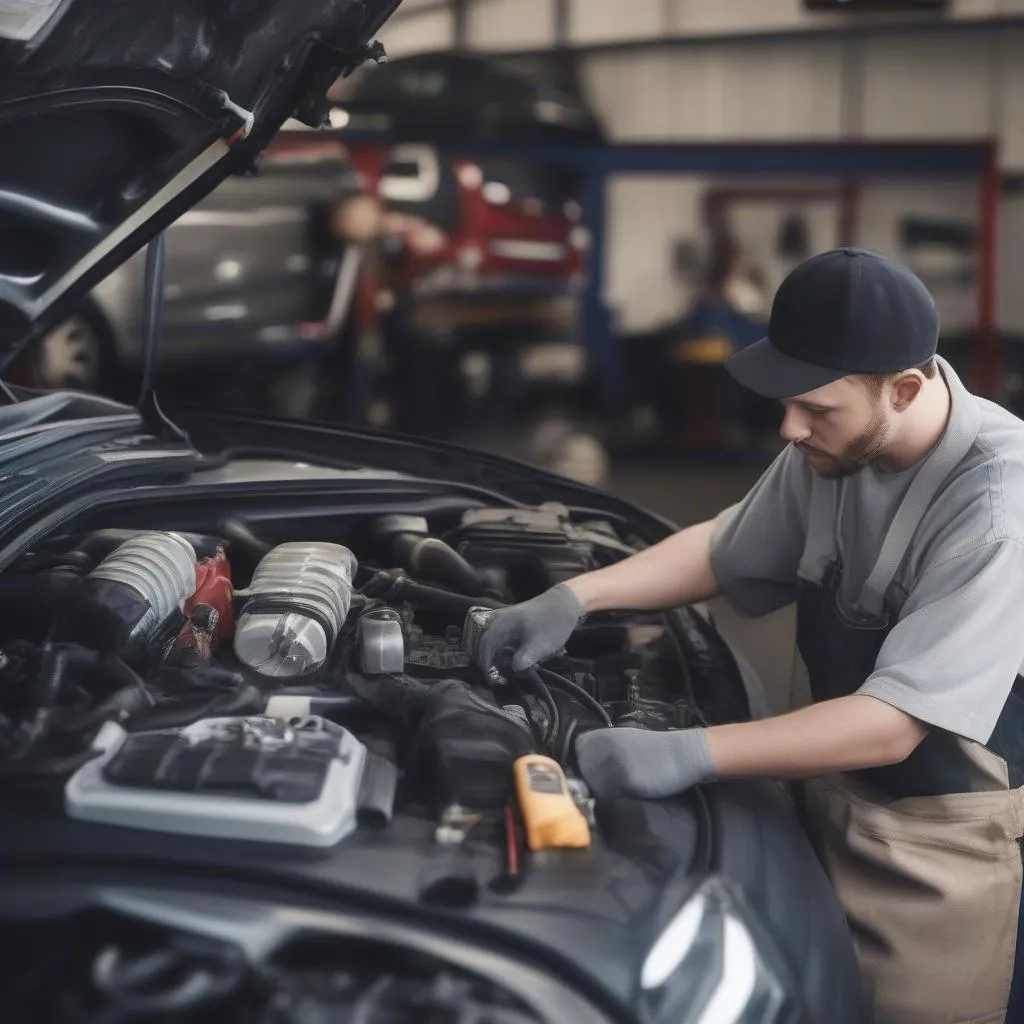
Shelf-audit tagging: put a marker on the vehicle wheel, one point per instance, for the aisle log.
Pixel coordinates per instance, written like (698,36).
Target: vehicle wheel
(72,356)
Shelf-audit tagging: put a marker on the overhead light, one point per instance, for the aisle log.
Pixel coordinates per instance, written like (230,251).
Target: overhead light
(228,270)
(470,257)
(229,311)
(555,113)
(579,238)
(497,193)
(470,176)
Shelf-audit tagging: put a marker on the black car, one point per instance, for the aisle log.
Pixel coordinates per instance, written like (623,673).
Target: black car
(440,96)
(248,770)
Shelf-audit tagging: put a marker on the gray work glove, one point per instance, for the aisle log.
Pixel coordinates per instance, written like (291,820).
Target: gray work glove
(531,631)
(629,762)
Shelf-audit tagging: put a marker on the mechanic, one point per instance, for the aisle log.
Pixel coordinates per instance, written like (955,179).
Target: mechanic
(894,520)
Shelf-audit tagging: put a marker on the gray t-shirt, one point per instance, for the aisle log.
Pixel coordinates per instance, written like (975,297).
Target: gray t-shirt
(958,642)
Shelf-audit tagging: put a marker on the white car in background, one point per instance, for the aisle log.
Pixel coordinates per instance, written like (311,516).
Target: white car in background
(252,280)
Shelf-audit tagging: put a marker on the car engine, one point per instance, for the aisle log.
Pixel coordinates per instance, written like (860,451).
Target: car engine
(301,692)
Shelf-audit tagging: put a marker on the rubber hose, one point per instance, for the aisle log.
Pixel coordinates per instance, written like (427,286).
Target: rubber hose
(423,596)
(58,666)
(238,533)
(248,700)
(433,558)
(99,543)
(208,679)
(116,672)
(539,689)
(577,692)
(120,706)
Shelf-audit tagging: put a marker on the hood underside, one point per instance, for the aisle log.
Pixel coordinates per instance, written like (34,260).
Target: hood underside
(117,116)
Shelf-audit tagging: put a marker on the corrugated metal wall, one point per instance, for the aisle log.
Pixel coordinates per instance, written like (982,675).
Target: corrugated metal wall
(904,85)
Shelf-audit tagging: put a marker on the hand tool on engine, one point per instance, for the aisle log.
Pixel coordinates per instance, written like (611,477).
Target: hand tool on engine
(549,813)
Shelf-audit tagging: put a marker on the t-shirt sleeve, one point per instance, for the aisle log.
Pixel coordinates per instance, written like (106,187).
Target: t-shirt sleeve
(955,651)
(757,545)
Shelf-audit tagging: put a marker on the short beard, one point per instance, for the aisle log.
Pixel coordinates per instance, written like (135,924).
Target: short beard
(858,454)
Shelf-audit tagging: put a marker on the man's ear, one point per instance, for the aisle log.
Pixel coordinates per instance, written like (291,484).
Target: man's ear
(905,388)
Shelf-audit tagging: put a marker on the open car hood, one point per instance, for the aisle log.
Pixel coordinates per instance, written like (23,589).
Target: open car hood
(117,116)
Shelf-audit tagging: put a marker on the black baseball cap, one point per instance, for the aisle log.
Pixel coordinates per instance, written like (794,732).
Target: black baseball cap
(841,312)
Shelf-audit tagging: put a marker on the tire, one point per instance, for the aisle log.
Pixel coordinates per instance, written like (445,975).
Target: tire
(72,356)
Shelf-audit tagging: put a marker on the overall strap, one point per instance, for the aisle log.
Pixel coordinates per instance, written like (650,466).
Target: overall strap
(961,433)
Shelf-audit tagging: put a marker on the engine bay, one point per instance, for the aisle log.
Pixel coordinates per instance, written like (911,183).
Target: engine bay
(158,630)
(233,684)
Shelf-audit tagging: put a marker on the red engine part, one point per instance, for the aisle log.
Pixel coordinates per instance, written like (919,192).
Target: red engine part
(210,614)
(213,588)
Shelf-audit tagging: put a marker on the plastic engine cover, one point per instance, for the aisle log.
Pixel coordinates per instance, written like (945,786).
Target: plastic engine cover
(235,778)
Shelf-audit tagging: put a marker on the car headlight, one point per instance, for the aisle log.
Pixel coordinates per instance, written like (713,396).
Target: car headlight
(706,967)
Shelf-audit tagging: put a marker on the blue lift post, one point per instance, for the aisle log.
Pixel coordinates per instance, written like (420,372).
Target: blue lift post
(851,160)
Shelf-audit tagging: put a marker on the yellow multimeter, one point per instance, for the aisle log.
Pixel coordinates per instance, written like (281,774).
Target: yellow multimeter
(549,813)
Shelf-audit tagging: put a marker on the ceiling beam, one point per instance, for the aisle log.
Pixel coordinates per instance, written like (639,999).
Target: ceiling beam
(855,31)
(429,7)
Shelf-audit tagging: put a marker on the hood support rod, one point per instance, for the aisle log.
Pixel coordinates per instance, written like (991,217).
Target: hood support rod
(153,416)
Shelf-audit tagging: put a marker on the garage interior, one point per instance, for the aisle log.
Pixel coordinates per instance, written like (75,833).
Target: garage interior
(894,128)
(540,227)
(348,349)
(554,265)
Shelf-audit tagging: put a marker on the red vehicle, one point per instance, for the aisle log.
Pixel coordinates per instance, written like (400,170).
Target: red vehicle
(482,227)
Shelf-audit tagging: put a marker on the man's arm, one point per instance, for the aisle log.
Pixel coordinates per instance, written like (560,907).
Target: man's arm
(757,548)
(751,551)
(834,736)
(839,735)
(675,572)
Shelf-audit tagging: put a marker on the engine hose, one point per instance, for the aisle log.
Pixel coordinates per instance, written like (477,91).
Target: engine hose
(247,700)
(433,558)
(99,544)
(536,686)
(237,531)
(207,679)
(121,706)
(577,692)
(59,666)
(43,767)
(186,974)
(401,588)
(37,562)
(567,747)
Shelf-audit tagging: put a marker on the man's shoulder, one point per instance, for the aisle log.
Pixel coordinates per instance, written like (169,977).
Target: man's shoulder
(983,499)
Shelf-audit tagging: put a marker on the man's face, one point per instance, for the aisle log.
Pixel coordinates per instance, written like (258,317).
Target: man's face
(840,428)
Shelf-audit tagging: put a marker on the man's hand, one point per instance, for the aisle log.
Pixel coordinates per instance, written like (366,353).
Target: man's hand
(632,762)
(532,631)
